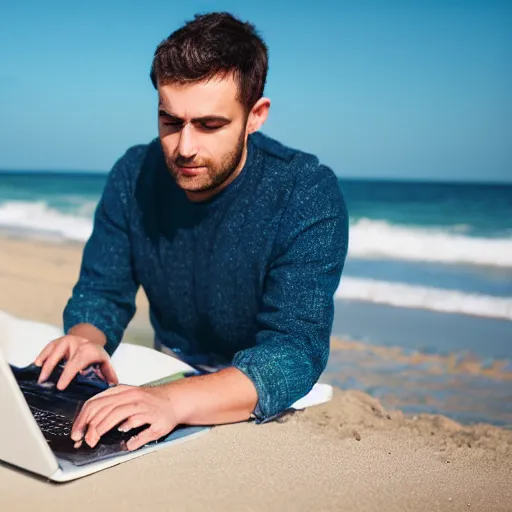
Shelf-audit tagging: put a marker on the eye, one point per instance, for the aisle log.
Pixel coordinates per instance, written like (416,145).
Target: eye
(209,127)
(167,120)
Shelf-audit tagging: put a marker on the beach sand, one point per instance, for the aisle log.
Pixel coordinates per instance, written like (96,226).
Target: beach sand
(348,454)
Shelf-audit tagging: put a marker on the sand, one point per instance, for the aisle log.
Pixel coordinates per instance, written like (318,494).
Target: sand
(348,454)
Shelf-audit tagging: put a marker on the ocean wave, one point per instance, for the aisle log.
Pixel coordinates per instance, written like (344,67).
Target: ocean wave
(380,239)
(422,297)
(368,238)
(39,217)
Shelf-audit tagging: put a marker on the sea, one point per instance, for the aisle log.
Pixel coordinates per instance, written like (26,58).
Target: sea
(424,308)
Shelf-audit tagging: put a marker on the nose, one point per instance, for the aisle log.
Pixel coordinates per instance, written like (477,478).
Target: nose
(187,146)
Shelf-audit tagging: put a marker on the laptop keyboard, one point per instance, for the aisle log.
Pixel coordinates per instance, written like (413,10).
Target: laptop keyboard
(52,423)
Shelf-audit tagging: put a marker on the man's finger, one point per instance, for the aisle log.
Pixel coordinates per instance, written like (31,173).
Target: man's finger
(82,357)
(73,366)
(92,437)
(77,361)
(146,436)
(118,415)
(78,430)
(42,356)
(51,362)
(93,406)
(109,373)
(89,410)
(96,428)
(132,422)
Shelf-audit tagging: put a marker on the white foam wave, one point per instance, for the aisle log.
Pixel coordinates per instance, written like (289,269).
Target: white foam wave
(379,239)
(368,238)
(39,217)
(421,297)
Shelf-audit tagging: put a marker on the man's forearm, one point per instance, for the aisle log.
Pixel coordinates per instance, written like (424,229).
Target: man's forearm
(227,396)
(89,332)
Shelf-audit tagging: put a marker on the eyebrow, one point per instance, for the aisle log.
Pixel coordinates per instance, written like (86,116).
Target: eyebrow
(203,119)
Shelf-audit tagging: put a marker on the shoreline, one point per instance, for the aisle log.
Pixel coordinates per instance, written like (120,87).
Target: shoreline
(351,453)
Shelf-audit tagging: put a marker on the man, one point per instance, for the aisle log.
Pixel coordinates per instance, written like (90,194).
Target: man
(238,242)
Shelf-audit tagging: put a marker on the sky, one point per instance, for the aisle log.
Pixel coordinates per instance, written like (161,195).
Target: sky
(394,89)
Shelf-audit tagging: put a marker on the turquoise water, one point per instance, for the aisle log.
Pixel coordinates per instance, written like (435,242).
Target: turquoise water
(479,210)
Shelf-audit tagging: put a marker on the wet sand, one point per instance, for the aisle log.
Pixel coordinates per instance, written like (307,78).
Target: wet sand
(460,384)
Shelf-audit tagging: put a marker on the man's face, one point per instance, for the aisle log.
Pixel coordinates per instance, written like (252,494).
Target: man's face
(202,129)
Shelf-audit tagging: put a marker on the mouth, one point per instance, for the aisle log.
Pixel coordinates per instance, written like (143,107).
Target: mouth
(190,171)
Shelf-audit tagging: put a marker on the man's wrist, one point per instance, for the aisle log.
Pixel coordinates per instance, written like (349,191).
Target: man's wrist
(89,332)
(226,396)
(180,400)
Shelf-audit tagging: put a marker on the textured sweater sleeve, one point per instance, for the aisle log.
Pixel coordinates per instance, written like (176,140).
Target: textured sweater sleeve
(297,308)
(104,295)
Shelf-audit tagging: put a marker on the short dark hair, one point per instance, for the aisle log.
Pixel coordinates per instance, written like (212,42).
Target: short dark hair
(214,44)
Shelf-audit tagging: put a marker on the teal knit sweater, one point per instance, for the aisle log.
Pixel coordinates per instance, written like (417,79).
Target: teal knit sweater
(247,277)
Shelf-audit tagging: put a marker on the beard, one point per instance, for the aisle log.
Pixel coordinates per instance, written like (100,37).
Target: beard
(214,176)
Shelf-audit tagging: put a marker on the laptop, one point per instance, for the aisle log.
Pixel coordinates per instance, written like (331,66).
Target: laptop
(37,419)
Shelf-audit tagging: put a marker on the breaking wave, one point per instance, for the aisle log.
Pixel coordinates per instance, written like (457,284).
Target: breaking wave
(422,297)
(380,239)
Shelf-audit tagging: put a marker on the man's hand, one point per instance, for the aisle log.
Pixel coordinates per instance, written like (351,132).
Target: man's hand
(131,407)
(225,396)
(79,353)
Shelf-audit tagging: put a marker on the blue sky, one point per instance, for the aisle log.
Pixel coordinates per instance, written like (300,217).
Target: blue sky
(407,89)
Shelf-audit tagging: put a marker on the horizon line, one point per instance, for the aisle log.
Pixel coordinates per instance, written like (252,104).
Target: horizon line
(420,179)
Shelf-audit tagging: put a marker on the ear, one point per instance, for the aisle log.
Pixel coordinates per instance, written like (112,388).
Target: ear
(258,115)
